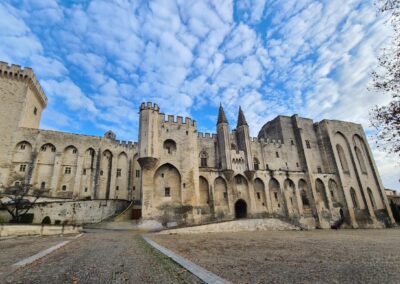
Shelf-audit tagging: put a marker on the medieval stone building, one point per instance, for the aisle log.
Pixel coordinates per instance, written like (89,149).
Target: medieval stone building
(294,169)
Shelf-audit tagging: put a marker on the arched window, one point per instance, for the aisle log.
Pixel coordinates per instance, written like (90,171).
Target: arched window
(43,185)
(170,146)
(342,158)
(360,159)
(203,159)
(371,197)
(256,164)
(354,197)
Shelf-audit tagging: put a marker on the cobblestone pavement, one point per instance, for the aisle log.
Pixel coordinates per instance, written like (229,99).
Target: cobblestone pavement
(318,256)
(103,257)
(15,249)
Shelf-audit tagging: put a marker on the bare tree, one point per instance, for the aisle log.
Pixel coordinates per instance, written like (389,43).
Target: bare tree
(386,79)
(17,201)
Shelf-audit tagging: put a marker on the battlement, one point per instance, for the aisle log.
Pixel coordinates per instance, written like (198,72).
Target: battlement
(202,135)
(179,120)
(265,141)
(126,144)
(16,72)
(149,106)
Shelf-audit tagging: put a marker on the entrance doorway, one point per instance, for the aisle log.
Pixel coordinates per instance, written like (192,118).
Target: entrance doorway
(240,209)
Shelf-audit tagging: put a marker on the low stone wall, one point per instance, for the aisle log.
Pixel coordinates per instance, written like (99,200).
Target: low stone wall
(74,212)
(31,230)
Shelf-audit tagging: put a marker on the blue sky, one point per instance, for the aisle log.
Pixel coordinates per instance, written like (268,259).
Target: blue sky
(97,60)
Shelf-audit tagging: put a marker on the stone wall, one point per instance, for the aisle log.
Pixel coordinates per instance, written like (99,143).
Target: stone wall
(74,212)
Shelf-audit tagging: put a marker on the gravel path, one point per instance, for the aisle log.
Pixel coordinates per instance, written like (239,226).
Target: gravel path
(319,256)
(104,257)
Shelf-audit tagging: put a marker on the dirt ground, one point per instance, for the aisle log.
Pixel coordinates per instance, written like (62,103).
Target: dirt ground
(318,256)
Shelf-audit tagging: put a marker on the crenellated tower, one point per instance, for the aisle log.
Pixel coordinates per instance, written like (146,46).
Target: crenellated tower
(148,135)
(22,101)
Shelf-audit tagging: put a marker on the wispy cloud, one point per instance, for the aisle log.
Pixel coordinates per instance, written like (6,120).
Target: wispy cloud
(98,60)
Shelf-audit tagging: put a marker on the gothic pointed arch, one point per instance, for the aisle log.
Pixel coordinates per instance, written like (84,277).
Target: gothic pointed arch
(291,197)
(261,200)
(220,192)
(204,191)
(122,175)
(242,187)
(106,161)
(354,198)
(167,184)
(44,168)
(336,193)
(276,197)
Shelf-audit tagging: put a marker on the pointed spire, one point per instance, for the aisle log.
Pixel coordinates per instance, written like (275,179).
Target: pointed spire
(221,115)
(241,119)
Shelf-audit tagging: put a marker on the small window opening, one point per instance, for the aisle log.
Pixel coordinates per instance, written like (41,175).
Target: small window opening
(167,192)
(308,145)
(277,154)
(258,195)
(137,173)
(43,185)
(64,188)
(319,170)
(225,195)
(74,151)
(101,172)
(53,149)
(67,170)
(22,168)
(118,172)
(85,189)
(35,111)
(292,142)
(84,172)
(22,147)
(117,188)
(276,195)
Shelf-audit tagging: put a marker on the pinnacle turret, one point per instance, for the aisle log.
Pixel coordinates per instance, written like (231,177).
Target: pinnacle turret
(221,115)
(241,119)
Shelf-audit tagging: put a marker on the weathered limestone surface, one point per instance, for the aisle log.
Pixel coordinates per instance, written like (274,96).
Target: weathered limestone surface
(309,172)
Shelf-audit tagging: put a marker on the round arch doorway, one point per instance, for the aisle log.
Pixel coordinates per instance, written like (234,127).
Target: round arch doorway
(240,209)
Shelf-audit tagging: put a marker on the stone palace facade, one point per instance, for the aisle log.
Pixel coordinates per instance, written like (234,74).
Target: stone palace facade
(296,168)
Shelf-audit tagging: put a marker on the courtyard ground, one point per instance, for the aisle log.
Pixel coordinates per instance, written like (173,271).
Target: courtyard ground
(318,256)
(98,256)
